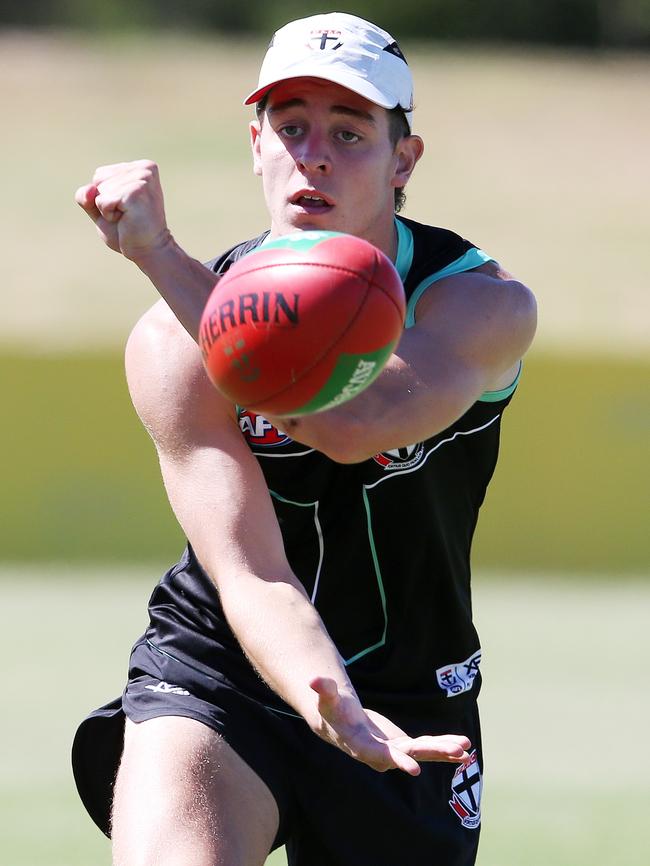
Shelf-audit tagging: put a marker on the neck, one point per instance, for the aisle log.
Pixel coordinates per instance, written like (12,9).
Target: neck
(385,239)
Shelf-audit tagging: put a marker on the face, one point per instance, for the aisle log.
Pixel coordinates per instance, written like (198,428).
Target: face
(327,162)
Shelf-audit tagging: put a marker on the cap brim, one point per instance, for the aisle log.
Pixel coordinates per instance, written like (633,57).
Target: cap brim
(350,82)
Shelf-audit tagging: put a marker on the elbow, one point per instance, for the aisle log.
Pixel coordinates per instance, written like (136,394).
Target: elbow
(348,457)
(525,318)
(531,310)
(348,441)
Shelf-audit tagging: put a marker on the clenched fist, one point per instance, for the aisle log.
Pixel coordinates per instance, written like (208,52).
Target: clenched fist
(125,201)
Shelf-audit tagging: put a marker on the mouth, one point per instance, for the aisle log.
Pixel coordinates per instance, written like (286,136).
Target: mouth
(312,202)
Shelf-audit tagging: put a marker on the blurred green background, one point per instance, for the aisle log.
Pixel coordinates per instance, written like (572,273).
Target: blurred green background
(538,153)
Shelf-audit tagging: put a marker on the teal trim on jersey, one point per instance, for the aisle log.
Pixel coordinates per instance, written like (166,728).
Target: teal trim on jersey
(305,240)
(319,533)
(404,258)
(291,502)
(301,241)
(380,585)
(471,259)
(503,393)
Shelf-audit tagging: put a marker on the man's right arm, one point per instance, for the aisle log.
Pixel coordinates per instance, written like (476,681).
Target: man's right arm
(220,498)
(125,201)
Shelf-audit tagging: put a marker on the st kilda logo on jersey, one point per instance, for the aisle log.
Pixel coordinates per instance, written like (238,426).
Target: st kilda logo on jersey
(400,458)
(258,431)
(466,787)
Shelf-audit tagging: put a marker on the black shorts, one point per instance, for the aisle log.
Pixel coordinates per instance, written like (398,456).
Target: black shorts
(334,811)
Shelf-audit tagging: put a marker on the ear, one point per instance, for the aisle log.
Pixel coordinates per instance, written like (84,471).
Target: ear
(407,152)
(256,135)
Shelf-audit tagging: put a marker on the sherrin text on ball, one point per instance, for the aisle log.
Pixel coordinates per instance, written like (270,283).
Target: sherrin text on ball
(303,323)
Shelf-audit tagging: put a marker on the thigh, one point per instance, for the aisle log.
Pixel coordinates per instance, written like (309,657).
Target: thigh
(184,796)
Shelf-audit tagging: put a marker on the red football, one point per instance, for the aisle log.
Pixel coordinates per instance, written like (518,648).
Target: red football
(303,323)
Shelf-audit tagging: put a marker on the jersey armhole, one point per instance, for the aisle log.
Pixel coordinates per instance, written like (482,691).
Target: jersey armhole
(502,393)
(473,258)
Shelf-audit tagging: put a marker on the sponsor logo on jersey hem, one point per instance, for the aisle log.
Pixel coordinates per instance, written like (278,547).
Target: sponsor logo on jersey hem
(458,678)
(167,689)
(400,458)
(466,787)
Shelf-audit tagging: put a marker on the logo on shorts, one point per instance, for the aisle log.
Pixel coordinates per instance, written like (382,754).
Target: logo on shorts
(167,689)
(400,458)
(466,787)
(258,431)
(458,678)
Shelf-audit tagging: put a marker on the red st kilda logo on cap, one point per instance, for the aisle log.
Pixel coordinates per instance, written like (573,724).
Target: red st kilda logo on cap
(323,39)
(258,431)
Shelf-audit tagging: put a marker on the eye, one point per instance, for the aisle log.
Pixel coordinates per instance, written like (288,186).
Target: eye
(291,130)
(348,137)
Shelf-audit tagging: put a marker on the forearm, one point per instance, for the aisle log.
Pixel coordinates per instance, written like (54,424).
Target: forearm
(395,411)
(183,282)
(471,333)
(285,639)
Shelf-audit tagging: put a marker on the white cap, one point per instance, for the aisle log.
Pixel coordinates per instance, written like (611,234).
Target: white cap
(344,49)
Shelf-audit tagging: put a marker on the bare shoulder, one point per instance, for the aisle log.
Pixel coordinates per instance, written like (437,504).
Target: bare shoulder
(519,307)
(168,385)
(488,294)
(486,316)
(506,287)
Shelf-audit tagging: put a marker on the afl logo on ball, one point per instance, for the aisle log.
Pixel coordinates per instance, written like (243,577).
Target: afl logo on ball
(400,458)
(258,431)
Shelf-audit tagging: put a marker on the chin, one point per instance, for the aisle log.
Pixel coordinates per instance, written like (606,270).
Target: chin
(311,222)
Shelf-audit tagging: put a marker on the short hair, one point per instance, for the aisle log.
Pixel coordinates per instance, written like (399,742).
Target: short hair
(398,128)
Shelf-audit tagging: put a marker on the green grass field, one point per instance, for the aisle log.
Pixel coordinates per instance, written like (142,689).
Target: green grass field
(570,492)
(565,708)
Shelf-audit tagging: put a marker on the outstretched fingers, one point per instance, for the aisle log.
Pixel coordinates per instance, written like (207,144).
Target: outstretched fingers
(402,760)
(451,748)
(374,739)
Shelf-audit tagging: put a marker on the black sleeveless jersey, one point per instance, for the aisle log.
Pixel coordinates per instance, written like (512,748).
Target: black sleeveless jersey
(382,547)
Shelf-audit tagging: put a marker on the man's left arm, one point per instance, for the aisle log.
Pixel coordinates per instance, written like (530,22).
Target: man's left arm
(471,331)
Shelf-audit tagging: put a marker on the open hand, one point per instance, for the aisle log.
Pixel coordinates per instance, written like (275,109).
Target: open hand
(373,739)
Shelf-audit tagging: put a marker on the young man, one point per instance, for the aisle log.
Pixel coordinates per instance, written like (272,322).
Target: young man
(317,630)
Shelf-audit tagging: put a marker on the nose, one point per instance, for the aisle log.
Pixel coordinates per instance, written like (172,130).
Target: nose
(313,155)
